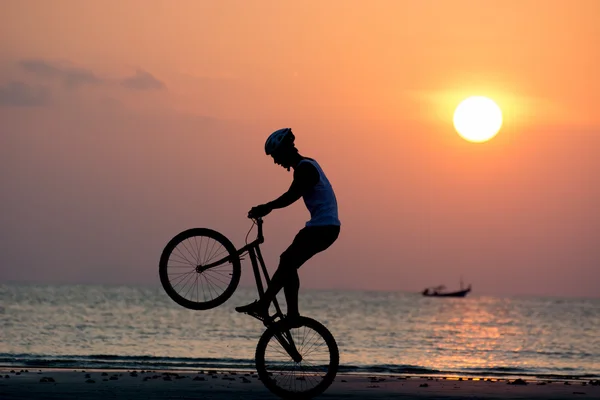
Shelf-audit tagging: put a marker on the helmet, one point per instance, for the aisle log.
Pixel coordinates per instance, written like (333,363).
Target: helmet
(277,139)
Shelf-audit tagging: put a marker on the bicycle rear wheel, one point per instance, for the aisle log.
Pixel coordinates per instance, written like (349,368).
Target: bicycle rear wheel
(190,271)
(308,375)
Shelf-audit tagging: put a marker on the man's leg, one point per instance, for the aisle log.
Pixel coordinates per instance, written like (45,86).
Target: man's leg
(289,262)
(287,270)
(291,290)
(307,243)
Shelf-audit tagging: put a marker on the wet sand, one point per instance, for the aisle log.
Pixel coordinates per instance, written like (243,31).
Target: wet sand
(149,385)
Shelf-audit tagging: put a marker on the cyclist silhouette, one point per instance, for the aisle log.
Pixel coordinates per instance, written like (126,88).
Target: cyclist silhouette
(320,231)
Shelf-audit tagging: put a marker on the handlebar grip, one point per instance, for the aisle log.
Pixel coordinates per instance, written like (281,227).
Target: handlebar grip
(259,225)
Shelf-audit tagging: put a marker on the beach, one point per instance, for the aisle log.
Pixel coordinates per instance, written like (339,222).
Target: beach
(216,385)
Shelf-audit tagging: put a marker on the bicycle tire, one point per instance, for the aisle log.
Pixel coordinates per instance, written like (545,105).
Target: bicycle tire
(275,379)
(180,262)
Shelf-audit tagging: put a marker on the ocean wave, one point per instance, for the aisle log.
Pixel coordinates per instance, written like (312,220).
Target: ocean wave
(110,361)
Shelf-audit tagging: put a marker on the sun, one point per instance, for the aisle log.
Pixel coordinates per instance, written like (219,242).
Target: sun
(477,119)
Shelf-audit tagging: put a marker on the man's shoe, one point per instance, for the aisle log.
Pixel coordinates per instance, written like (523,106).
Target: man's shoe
(253,309)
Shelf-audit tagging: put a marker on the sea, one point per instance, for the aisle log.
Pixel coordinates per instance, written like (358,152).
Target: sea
(394,333)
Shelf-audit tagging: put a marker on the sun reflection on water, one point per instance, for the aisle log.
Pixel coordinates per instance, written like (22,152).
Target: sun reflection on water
(474,334)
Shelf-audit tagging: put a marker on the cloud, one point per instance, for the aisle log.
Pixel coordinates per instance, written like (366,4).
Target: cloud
(20,94)
(71,77)
(142,80)
(74,77)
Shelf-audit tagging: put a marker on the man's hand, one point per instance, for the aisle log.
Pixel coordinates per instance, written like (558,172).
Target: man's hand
(259,211)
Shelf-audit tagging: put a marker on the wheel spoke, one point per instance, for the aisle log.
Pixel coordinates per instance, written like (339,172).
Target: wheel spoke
(182,277)
(182,257)
(181,270)
(190,252)
(312,375)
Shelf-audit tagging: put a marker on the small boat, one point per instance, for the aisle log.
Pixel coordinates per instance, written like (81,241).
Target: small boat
(440,291)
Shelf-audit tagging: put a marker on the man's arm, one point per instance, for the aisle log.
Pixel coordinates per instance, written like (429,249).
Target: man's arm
(305,177)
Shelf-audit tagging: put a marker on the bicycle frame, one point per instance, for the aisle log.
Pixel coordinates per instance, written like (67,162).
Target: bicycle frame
(253,248)
(256,258)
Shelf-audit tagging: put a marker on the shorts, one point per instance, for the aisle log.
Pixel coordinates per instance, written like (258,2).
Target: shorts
(308,242)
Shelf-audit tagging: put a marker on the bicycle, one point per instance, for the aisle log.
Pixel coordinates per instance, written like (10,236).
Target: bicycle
(284,354)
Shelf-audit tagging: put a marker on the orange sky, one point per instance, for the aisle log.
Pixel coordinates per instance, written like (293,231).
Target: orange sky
(124,122)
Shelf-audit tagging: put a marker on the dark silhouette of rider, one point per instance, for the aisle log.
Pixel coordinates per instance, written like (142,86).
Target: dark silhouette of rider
(320,231)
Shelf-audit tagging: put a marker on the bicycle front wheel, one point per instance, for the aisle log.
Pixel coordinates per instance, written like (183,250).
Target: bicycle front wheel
(297,363)
(199,269)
